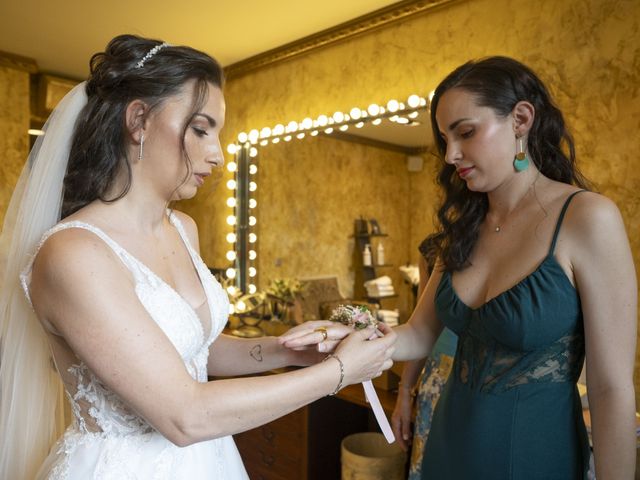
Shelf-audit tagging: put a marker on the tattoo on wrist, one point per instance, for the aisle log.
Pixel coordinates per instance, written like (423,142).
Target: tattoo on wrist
(256,353)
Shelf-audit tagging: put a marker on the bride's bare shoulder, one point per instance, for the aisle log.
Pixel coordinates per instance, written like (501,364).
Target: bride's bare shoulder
(72,252)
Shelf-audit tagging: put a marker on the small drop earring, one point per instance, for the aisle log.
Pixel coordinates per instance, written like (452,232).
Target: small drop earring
(140,152)
(521,161)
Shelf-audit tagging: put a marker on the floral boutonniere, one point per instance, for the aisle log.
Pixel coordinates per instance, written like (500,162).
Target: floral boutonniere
(358,317)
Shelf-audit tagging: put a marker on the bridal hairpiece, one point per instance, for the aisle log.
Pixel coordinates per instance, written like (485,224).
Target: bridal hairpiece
(151,53)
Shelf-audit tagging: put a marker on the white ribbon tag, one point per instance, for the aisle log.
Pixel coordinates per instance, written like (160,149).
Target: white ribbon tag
(372,397)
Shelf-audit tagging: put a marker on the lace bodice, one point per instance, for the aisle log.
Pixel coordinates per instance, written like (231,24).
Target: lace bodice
(95,407)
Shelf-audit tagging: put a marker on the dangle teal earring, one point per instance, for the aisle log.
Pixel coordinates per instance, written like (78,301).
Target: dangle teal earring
(521,161)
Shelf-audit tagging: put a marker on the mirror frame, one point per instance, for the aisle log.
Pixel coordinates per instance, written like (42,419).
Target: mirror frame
(243,252)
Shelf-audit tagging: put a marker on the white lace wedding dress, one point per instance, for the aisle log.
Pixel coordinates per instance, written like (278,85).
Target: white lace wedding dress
(109,441)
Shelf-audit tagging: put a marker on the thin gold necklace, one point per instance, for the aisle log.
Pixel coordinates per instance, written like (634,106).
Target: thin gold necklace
(498,228)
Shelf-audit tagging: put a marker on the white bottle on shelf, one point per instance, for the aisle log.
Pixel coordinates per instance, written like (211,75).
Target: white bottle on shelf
(366,256)
(380,254)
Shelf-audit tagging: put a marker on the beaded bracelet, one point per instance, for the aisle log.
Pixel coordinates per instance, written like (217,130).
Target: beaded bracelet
(331,355)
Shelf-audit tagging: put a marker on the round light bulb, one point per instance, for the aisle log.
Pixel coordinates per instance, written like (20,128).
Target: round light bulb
(231,255)
(377,121)
(323,120)
(393,105)
(300,136)
(373,109)
(253,238)
(307,123)
(292,126)
(231,184)
(338,117)
(314,133)
(355,113)
(328,130)
(243,137)
(252,272)
(231,237)
(413,101)
(232,148)
(252,288)
(359,124)
(287,138)
(265,132)
(275,140)
(252,220)
(253,203)
(278,129)
(231,220)
(231,290)
(254,135)
(231,202)
(253,186)
(344,128)
(253,169)
(253,152)
(241,306)
(252,254)
(231,273)
(232,166)
(264,143)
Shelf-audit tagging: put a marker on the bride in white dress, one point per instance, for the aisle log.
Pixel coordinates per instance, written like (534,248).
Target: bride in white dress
(103,281)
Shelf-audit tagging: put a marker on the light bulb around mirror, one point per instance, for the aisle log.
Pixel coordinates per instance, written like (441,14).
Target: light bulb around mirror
(231,255)
(265,132)
(278,129)
(252,288)
(231,184)
(253,238)
(254,135)
(231,220)
(275,140)
(287,138)
(377,121)
(393,105)
(373,109)
(344,128)
(252,254)
(232,289)
(232,166)
(231,202)
(253,203)
(253,169)
(413,101)
(307,123)
(253,186)
(355,113)
(253,152)
(252,220)
(231,237)
(252,272)
(231,273)
(323,120)
(338,117)
(243,137)
(292,126)
(232,148)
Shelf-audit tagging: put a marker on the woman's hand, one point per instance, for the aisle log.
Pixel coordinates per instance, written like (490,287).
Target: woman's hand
(321,335)
(401,418)
(365,355)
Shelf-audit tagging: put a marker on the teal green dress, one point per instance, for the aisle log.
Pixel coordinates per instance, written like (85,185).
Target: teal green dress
(511,408)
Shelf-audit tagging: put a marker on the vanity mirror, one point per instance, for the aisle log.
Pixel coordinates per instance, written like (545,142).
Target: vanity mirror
(298,187)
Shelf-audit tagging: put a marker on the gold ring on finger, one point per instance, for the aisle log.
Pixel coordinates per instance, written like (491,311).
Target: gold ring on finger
(323,331)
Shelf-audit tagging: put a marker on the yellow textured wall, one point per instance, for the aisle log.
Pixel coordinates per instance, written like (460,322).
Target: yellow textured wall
(14,123)
(588,51)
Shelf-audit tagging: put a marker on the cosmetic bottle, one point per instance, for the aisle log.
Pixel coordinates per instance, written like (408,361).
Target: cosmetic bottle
(366,256)
(380,254)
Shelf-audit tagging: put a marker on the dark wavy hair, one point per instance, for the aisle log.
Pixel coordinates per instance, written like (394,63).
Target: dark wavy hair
(98,149)
(498,83)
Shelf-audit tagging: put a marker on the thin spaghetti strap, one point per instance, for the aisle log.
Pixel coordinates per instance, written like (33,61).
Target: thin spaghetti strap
(560,219)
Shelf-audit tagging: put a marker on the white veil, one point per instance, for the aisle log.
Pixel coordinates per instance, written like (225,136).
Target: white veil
(30,389)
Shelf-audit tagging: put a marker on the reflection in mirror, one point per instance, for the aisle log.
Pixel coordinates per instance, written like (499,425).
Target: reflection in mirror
(316,178)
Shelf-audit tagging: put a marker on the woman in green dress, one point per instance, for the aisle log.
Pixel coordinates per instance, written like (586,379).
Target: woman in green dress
(533,273)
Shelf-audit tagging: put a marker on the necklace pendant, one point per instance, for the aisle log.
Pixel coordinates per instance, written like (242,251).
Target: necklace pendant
(497,229)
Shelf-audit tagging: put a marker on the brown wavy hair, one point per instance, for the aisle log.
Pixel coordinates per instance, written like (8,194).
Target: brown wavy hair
(98,149)
(498,83)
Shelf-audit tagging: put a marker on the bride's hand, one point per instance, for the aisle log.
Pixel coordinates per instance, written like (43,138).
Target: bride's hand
(322,335)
